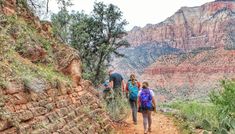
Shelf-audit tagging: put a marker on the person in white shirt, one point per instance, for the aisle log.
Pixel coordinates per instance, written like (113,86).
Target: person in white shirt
(146,105)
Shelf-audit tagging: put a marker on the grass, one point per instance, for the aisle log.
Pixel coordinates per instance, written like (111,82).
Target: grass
(26,70)
(192,113)
(26,34)
(117,109)
(22,68)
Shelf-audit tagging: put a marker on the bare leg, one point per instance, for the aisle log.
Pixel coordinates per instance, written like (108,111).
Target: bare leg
(145,120)
(149,120)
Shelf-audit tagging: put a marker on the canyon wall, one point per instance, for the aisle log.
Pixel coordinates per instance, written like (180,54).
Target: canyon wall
(195,51)
(189,28)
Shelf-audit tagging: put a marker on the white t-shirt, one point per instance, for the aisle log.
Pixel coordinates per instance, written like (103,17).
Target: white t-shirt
(151,92)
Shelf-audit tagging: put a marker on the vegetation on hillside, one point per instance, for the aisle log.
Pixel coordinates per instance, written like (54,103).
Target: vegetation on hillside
(19,40)
(216,116)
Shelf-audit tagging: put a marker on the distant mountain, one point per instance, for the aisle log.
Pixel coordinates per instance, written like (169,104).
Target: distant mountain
(200,43)
(140,57)
(209,25)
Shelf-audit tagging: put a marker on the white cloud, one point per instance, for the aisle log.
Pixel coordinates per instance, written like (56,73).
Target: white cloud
(138,12)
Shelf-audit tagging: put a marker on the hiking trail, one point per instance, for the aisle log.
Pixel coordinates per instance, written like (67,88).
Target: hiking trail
(161,124)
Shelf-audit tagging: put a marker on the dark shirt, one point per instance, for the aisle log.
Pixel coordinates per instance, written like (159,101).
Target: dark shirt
(117,80)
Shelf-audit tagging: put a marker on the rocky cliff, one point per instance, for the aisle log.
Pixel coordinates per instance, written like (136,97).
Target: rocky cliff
(189,28)
(202,39)
(138,58)
(190,75)
(41,89)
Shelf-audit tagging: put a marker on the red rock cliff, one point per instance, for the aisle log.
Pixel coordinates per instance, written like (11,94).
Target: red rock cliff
(190,27)
(191,75)
(203,41)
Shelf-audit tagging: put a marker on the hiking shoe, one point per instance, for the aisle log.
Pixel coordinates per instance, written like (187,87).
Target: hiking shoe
(149,130)
(135,123)
(145,132)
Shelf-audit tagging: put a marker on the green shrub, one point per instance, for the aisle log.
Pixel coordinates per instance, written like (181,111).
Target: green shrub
(196,112)
(216,116)
(225,99)
(118,108)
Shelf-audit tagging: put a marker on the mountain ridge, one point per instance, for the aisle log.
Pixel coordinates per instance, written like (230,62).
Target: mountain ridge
(205,39)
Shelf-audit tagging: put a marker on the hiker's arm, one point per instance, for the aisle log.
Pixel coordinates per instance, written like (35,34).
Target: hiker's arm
(154,102)
(111,84)
(127,88)
(138,102)
(123,86)
(139,86)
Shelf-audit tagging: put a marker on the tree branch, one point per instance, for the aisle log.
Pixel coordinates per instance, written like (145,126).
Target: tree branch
(48,6)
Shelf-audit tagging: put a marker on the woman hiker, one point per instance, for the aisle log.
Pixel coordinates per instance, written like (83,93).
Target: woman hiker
(147,104)
(132,88)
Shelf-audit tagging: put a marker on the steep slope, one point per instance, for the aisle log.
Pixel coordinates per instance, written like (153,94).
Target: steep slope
(189,28)
(41,89)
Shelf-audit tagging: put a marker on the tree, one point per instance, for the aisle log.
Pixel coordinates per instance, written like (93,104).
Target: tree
(60,22)
(41,7)
(97,37)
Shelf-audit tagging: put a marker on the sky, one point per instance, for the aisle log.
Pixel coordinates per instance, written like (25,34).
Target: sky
(137,12)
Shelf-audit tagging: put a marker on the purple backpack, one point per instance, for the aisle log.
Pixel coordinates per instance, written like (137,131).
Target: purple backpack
(146,99)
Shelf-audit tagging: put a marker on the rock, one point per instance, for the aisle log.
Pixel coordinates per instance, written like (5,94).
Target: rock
(14,87)
(36,85)
(189,28)
(68,61)
(192,76)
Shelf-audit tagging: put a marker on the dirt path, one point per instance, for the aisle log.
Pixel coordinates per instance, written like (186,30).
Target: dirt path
(161,124)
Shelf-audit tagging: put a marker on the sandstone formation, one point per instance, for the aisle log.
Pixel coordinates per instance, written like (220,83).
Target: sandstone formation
(203,41)
(189,28)
(190,75)
(41,89)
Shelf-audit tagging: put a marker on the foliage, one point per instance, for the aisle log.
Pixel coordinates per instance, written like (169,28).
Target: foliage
(225,99)
(196,112)
(217,117)
(97,36)
(60,22)
(26,71)
(117,108)
(40,7)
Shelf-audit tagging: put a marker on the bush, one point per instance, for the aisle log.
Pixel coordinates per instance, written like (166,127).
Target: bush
(225,99)
(196,112)
(217,117)
(117,108)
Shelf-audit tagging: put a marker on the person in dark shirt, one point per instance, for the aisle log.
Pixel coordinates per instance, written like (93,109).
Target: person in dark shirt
(116,82)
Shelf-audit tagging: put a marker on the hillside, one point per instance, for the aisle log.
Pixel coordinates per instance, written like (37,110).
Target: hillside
(190,75)
(41,89)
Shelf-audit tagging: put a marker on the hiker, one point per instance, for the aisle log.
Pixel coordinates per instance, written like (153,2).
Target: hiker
(116,83)
(132,88)
(146,103)
(107,92)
